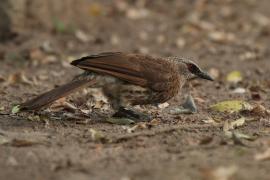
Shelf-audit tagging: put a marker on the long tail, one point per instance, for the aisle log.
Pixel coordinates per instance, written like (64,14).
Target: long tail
(55,94)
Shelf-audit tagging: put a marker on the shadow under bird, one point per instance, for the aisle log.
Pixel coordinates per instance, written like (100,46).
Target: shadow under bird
(126,80)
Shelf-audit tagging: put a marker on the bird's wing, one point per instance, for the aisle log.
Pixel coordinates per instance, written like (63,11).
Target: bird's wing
(137,69)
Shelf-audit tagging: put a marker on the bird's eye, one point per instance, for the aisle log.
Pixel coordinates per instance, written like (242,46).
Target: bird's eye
(193,68)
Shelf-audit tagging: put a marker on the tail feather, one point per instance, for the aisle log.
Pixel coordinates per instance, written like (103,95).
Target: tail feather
(49,97)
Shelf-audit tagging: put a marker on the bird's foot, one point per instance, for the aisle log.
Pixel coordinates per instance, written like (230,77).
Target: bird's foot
(130,114)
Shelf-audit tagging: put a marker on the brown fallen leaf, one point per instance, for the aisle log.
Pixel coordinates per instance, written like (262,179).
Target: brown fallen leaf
(260,110)
(96,9)
(163,105)
(220,173)
(221,37)
(135,13)
(232,125)
(62,104)
(3,140)
(36,54)
(97,136)
(210,120)
(82,36)
(2,79)
(22,143)
(263,156)
(237,137)
(19,77)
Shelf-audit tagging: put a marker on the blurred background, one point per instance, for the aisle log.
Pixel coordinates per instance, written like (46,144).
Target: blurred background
(39,38)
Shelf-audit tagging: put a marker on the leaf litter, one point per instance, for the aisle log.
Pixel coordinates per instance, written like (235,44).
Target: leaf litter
(220,173)
(231,106)
(263,156)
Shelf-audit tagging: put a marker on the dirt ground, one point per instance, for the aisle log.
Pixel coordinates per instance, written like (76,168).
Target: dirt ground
(221,36)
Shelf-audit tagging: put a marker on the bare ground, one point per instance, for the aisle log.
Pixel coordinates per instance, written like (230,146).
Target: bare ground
(221,36)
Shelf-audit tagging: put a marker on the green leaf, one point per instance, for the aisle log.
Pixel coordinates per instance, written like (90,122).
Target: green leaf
(234,77)
(231,106)
(97,136)
(15,109)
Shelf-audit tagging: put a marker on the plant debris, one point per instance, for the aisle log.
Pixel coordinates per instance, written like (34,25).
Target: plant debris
(15,109)
(263,156)
(232,125)
(97,136)
(234,77)
(220,173)
(231,106)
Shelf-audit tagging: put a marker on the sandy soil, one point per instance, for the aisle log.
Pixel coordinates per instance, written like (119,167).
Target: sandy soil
(222,36)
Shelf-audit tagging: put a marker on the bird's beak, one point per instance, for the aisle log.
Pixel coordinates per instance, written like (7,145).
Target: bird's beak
(205,75)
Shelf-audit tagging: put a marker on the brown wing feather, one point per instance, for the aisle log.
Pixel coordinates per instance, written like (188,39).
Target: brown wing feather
(133,68)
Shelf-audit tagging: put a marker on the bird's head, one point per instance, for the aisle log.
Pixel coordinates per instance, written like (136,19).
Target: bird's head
(188,68)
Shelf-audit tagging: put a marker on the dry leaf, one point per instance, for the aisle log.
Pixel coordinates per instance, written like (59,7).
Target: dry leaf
(22,143)
(263,156)
(19,77)
(97,136)
(135,14)
(231,106)
(220,173)
(239,90)
(115,40)
(61,104)
(234,77)
(36,54)
(249,55)
(210,120)
(232,125)
(237,136)
(163,105)
(180,42)
(2,79)
(4,140)
(33,118)
(82,36)
(221,37)
(259,110)
(161,39)
(95,10)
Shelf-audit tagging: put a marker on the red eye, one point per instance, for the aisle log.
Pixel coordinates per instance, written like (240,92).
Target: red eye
(193,68)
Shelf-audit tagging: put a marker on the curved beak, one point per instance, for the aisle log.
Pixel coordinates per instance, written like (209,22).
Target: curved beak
(204,75)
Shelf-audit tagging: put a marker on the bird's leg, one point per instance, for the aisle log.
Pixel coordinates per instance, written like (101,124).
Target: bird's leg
(113,91)
(131,114)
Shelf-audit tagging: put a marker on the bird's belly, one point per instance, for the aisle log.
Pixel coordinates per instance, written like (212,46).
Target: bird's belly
(136,95)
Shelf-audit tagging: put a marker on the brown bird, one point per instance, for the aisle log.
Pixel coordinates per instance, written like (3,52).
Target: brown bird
(126,79)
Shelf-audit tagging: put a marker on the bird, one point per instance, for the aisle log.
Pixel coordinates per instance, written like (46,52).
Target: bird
(126,79)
